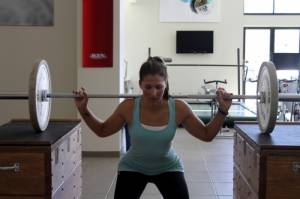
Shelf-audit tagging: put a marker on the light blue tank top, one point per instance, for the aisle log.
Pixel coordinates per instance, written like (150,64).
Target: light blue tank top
(151,152)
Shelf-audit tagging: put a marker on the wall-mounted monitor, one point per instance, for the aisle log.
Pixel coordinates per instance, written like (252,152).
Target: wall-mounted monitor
(194,41)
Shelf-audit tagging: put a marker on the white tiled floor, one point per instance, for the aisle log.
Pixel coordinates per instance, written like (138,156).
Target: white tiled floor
(208,170)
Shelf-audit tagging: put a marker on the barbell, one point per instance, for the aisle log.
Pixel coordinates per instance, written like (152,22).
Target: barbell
(40,96)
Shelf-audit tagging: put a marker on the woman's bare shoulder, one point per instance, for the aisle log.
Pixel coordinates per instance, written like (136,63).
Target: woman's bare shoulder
(126,109)
(181,103)
(182,106)
(127,104)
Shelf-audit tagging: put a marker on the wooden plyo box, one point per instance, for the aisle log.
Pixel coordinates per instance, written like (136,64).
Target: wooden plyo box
(43,165)
(267,166)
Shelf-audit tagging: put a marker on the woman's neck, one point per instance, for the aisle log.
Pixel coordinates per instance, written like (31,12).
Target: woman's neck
(150,104)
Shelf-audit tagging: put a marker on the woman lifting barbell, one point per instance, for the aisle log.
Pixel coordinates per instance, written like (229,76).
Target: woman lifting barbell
(152,120)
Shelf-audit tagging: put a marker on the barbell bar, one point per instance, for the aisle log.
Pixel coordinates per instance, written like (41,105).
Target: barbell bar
(64,95)
(40,95)
(285,97)
(281,97)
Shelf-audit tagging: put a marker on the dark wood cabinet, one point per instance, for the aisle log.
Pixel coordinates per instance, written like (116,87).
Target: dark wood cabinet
(40,165)
(267,166)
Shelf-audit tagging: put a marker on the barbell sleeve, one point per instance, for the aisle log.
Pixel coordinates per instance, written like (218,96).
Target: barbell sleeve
(288,97)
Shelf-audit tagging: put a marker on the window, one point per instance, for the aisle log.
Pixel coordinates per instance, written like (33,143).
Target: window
(287,6)
(257,50)
(285,49)
(285,41)
(273,7)
(278,44)
(251,6)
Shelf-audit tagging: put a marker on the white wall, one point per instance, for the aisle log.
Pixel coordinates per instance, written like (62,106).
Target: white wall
(102,80)
(143,29)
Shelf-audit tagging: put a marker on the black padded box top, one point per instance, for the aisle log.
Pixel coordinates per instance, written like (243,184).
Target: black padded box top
(22,132)
(284,136)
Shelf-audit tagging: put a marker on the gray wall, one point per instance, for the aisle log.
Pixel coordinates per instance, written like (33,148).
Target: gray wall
(22,45)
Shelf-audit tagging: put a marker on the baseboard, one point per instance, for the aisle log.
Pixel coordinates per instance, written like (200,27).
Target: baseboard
(100,154)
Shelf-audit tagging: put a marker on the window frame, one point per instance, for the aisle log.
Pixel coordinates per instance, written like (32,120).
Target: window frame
(272,37)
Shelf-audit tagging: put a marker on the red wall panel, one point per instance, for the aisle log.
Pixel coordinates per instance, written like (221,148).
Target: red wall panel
(97,24)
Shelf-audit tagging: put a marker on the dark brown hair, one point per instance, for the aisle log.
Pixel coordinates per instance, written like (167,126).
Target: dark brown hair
(155,66)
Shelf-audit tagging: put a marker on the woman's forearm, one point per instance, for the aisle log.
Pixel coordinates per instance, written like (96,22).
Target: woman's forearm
(214,126)
(94,123)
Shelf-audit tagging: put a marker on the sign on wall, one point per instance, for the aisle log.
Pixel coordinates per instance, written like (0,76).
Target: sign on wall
(190,10)
(97,33)
(26,12)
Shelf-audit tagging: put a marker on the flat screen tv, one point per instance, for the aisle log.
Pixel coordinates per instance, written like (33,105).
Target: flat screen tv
(194,41)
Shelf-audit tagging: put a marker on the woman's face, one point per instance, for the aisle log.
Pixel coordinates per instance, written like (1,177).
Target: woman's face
(153,87)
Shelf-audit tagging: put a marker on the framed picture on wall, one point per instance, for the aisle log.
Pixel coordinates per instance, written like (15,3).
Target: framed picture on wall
(26,13)
(190,10)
